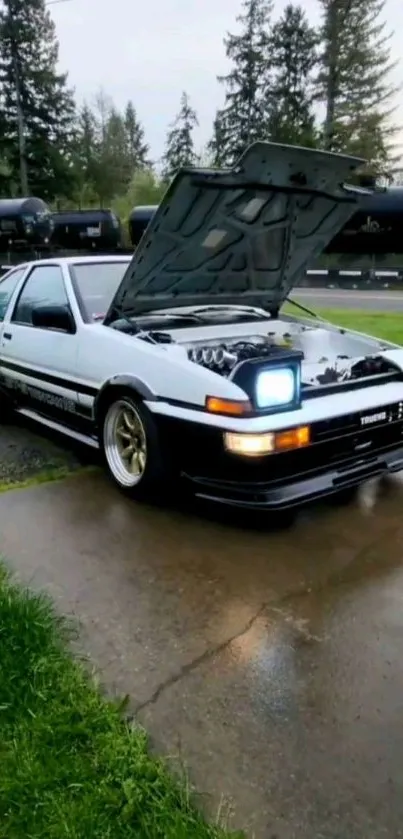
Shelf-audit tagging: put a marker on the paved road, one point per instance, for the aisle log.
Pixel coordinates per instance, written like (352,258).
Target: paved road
(374,301)
(270,661)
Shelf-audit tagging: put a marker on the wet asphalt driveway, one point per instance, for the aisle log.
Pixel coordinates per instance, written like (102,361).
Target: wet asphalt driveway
(271,663)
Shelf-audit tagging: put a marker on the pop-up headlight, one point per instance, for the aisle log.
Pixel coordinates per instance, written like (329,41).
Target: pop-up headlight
(275,387)
(271,383)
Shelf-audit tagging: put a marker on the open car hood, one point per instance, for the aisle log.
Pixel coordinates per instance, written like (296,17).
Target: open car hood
(239,236)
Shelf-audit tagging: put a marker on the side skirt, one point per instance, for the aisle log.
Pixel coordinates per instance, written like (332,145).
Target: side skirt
(66,430)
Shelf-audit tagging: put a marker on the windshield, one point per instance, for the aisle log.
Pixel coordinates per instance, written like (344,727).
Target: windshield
(95,284)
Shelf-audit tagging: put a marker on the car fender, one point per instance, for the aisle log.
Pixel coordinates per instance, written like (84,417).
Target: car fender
(124,381)
(164,369)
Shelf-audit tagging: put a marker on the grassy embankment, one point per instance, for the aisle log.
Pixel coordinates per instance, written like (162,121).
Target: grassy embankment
(70,767)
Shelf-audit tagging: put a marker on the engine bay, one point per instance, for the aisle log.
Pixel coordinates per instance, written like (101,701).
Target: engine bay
(328,356)
(221,338)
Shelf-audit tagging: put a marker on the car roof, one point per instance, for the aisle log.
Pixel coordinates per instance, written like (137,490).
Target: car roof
(72,260)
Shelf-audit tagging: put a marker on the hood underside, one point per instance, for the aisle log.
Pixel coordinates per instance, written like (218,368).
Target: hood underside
(244,235)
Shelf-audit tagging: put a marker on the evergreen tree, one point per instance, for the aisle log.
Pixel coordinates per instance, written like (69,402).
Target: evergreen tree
(112,170)
(293,58)
(103,107)
(137,148)
(102,143)
(86,157)
(217,145)
(37,110)
(354,82)
(179,150)
(114,157)
(110,148)
(244,116)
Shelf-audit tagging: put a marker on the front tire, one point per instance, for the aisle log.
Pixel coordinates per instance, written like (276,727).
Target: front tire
(131,448)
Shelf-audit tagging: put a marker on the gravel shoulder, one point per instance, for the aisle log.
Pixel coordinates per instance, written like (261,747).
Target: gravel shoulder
(25,453)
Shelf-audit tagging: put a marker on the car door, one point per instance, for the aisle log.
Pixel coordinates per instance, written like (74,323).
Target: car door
(39,364)
(8,285)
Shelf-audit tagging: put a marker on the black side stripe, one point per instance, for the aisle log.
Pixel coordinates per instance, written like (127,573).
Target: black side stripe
(86,390)
(68,384)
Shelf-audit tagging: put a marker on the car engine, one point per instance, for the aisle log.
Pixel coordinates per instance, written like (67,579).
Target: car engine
(317,370)
(223,357)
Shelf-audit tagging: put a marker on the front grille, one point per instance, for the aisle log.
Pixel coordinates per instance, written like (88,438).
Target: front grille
(340,443)
(358,422)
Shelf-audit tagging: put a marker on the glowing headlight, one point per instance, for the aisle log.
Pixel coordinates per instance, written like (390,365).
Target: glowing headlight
(258,445)
(277,386)
(250,445)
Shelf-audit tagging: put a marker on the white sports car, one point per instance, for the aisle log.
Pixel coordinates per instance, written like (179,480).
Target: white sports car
(179,364)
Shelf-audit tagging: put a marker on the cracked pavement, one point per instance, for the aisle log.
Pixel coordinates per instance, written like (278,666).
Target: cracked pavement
(268,663)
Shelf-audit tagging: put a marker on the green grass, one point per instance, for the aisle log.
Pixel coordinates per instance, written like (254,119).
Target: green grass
(70,767)
(387,326)
(45,476)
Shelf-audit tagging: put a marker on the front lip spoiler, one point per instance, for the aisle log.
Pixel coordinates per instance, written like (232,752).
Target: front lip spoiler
(297,493)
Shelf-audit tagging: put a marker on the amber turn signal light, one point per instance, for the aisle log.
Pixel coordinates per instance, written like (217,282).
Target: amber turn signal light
(231,407)
(293,438)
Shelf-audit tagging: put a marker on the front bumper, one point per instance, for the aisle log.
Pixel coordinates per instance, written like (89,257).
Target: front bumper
(345,450)
(261,496)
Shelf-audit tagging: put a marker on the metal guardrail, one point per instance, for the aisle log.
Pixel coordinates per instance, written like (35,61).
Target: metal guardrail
(381,280)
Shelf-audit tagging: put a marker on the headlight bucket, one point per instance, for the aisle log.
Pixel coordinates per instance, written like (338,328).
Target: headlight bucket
(272,383)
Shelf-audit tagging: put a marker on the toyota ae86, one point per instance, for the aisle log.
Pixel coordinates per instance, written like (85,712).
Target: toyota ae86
(179,364)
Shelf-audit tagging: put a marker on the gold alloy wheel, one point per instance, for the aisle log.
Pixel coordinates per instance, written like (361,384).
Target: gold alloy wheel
(125,443)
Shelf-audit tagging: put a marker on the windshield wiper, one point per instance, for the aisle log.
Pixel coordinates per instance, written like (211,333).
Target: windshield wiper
(174,316)
(131,319)
(236,310)
(116,323)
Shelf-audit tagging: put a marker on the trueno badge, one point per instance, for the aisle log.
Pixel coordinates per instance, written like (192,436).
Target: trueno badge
(369,419)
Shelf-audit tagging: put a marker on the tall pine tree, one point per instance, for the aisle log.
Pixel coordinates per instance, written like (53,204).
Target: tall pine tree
(293,56)
(114,174)
(217,146)
(179,150)
(110,149)
(243,118)
(354,84)
(111,166)
(37,109)
(86,157)
(137,149)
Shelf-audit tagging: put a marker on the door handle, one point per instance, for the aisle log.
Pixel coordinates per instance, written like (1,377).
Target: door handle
(7,336)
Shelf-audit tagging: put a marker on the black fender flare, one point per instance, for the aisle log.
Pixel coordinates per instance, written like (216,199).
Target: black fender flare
(126,382)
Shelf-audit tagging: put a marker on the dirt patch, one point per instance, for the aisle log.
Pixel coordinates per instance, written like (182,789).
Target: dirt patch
(25,453)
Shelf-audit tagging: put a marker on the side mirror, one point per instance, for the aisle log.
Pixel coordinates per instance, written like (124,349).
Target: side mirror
(54,317)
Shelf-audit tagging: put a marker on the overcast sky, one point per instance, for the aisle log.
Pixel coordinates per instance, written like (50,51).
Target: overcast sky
(151,50)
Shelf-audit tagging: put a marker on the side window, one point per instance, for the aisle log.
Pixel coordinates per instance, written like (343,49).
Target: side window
(7,287)
(44,287)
